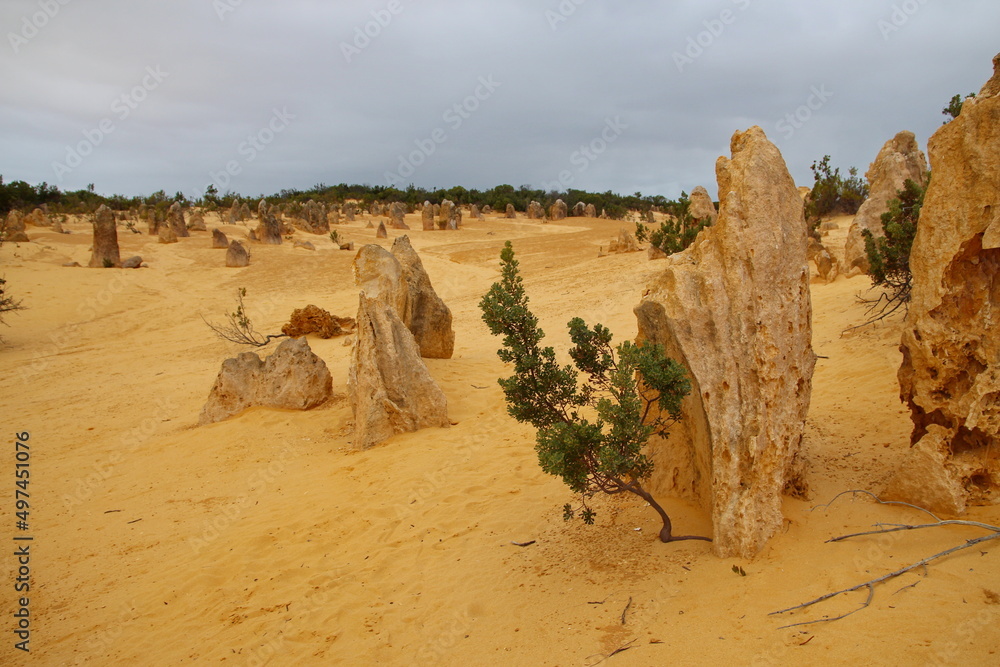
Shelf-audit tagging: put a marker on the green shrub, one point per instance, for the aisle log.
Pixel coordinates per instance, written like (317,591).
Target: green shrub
(592,436)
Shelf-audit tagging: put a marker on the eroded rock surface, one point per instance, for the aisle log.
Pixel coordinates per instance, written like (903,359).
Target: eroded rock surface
(950,375)
(900,159)
(390,388)
(734,308)
(105,253)
(292,378)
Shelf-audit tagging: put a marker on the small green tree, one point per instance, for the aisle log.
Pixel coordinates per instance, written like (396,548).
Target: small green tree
(832,194)
(592,436)
(641,232)
(955,107)
(676,234)
(889,255)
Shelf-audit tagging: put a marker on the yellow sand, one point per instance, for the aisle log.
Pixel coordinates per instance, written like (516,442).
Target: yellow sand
(266,539)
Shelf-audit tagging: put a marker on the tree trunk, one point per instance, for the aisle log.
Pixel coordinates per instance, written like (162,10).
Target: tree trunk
(666,533)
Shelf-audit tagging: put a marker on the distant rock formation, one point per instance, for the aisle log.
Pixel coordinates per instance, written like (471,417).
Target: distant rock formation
(422,310)
(445,214)
(350,212)
(219,239)
(590,211)
(455,218)
(579,209)
(37,218)
(314,320)
(390,389)
(133,262)
(105,253)
(13,229)
(624,243)
(511,213)
(535,211)
(950,375)
(702,207)
(475,213)
(269,227)
(397,215)
(175,218)
(292,378)
(237,255)
(381,232)
(735,309)
(167,234)
(558,210)
(900,159)
(427,217)
(305,245)
(196,223)
(827,265)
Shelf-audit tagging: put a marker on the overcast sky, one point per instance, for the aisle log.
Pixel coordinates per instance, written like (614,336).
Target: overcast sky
(259,96)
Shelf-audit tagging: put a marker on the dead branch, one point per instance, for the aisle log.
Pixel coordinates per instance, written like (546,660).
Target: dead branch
(891,528)
(238,327)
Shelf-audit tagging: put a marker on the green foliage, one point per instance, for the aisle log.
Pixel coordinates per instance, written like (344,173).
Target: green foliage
(335,236)
(8,303)
(676,234)
(889,256)
(641,232)
(590,434)
(955,106)
(833,194)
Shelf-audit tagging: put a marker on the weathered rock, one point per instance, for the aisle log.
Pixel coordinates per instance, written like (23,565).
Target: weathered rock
(511,213)
(315,218)
(652,252)
(390,388)
(579,209)
(427,217)
(37,218)
(153,222)
(558,210)
(175,218)
(702,207)
(487,210)
(219,240)
(381,232)
(196,223)
(827,265)
(305,245)
(624,243)
(166,234)
(422,310)
(314,320)
(734,308)
(474,213)
(590,211)
(455,218)
(13,229)
(269,228)
(535,211)
(105,252)
(350,212)
(950,375)
(133,262)
(237,255)
(347,246)
(292,378)
(900,159)
(445,214)
(397,215)
(806,193)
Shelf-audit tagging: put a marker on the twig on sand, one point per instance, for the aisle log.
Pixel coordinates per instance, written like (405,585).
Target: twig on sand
(523,544)
(621,649)
(891,528)
(627,607)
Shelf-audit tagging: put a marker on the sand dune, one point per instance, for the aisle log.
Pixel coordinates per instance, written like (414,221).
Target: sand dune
(266,539)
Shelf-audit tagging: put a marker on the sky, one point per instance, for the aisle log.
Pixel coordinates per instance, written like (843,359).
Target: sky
(639,96)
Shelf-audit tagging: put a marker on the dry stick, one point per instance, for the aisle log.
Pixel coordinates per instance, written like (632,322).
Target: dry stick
(870,584)
(626,610)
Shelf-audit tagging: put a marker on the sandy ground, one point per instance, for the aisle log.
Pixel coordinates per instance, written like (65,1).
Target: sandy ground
(266,539)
